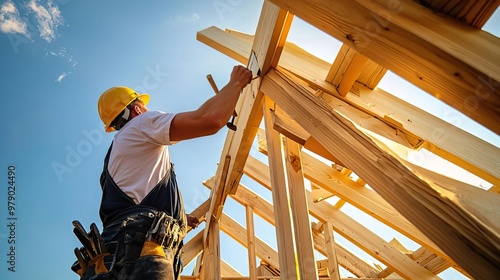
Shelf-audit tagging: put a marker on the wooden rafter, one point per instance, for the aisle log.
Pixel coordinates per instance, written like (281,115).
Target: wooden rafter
(461,232)
(473,12)
(363,198)
(461,148)
(281,203)
(265,210)
(355,232)
(450,60)
(335,110)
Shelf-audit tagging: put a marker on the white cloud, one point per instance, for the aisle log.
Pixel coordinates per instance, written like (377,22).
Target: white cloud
(62,53)
(62,76)
(10,21)
(183,19)
(49,18)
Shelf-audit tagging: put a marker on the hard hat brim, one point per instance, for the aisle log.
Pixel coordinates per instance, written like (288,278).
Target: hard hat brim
(144,97)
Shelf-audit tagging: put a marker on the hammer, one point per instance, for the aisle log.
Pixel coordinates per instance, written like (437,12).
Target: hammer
(230,124)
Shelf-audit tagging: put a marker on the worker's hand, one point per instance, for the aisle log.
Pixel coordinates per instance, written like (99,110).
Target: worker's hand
(241,76)
(192,221)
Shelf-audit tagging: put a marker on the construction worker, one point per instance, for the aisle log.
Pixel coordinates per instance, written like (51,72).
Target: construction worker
(141,208)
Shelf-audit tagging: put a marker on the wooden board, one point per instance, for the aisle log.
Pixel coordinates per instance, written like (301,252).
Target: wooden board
(461,148)
(450,60)
(460,232)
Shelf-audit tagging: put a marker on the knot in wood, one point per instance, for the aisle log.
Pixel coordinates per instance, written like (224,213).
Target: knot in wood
(295,161)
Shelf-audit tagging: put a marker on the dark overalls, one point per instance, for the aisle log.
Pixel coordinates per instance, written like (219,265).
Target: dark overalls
(126,225)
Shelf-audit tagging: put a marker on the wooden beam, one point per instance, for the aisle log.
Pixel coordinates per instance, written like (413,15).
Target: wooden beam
(287,126)
(239,233)
(226,43)
(368,72)
(371,203)
(228,271)
(349,72)
(461,148)
(299,210)
(212,258)
(319,194)
(262,208)
(353,231)
(459,233)
(192,248)
(450,60)
(472,12)
(284,230)
(360,268)
(265,210)
(333,267)
(363,198)
(252,266)
(271,26)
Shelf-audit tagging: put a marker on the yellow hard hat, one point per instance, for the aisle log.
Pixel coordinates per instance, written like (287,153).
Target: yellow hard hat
(113,101)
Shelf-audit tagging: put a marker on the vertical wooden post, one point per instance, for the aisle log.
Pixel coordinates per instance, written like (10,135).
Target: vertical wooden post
(211,263)
(333,267)
(300,211)
(284,231)
(252,266)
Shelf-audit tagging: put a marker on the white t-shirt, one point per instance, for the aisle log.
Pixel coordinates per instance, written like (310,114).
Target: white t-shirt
(139,158)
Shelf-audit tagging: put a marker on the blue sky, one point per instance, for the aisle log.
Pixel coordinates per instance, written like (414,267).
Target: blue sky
(56,58)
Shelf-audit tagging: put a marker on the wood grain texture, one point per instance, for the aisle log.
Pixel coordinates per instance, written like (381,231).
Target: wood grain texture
(450,60)
(460,233)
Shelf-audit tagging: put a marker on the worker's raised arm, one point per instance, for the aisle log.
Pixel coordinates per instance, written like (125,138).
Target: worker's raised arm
(214,113)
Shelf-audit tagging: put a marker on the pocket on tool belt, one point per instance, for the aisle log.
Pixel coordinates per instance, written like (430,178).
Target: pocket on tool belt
(151,248)
(133,246)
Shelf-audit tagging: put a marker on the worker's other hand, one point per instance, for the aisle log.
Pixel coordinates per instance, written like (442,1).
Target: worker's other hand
(241,76)
(192,221)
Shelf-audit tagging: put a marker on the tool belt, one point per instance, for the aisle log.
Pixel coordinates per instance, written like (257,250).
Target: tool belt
(141,234)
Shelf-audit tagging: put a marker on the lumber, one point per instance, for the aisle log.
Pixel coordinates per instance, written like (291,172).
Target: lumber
(319,193)
(239,233)
(450,60)
(192,248)
(237,145)
(281,204)
(333,268)
(252,266)
(264,209)
(212,258)
(454,144)
(461,232)
(299,210)
(473,12)
(353,231)
(356,67)
(359,196)
(228,271)
(360,268)
(287,126)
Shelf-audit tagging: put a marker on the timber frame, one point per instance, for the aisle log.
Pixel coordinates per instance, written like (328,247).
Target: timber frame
(335,110)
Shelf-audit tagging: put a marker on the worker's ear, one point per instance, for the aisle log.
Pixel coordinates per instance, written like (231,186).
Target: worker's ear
(137,110)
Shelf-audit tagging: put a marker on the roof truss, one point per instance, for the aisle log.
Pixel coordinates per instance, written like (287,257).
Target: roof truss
(334,110)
